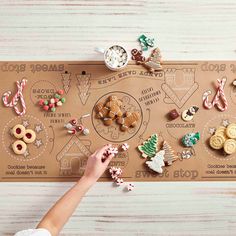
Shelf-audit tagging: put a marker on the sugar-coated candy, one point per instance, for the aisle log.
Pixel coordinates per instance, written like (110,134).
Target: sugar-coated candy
(60,92)
(52,100)
(57,96)
(51,105)
(45,102)
(56,100)
(45,108)
(59,104)
(41,102)
(53,109)
(63,100)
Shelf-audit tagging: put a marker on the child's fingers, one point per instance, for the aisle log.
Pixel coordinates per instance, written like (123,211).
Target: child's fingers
(107,161)
(102,150)
(96,152)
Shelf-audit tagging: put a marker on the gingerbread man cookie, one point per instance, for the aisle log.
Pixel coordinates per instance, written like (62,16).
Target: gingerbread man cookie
(102,111)
(114,105)
(137,56)
(130,120)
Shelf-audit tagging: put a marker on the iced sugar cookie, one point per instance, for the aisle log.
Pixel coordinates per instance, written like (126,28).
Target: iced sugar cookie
(30,136)
(230,146)
(18,131)
(221,130)
(19,147)
(231,130)
(217,141)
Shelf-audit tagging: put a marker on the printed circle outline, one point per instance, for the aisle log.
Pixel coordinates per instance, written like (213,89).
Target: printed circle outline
(123,140)
(5,146)
(204,144)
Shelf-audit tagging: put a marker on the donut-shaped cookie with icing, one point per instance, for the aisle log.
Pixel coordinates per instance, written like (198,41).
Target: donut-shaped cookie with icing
(18,131)
(29,136)
(19,147)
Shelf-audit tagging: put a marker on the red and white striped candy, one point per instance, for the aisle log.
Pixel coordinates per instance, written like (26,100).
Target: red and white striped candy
(115,172)
(18,96)
(125,146)
(220,95)
(119,181)
(130,187)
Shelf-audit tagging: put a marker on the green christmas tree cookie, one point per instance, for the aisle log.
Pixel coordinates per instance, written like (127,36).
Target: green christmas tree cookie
(149,147)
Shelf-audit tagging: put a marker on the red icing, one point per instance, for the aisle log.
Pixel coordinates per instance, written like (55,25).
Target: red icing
(29,135)
(19,146)
(18,130)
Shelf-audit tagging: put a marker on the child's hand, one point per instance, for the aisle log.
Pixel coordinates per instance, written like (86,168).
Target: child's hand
(96,165)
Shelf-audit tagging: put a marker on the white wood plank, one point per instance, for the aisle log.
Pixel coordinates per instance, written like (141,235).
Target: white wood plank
(152,209)
(59,30)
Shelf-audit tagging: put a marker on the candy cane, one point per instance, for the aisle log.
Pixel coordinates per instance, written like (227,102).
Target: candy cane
(216,100)
(18,96)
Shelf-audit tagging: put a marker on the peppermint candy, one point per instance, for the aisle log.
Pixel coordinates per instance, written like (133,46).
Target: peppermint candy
(125,146)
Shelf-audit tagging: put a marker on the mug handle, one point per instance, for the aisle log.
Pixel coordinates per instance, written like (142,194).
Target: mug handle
(100,50)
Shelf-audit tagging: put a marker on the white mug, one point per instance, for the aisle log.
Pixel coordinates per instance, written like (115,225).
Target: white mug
(116,57)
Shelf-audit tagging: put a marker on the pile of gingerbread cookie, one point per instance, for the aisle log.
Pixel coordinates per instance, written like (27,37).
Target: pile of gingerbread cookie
(110,111)
(224,138)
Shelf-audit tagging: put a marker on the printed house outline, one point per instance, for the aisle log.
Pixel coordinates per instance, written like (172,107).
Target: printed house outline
(73,157)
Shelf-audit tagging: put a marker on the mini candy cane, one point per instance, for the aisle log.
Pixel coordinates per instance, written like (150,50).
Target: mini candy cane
(216,100)
(19,95)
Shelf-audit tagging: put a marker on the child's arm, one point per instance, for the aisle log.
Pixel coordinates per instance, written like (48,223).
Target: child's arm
(58,215)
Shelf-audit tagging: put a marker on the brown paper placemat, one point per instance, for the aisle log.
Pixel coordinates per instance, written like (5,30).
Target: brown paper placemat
(58,156)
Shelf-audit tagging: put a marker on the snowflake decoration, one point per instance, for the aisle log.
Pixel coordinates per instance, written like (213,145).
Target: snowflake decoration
(26,153)
(25,123)
(225,123)
(38,143)
(38,128)
(212,131)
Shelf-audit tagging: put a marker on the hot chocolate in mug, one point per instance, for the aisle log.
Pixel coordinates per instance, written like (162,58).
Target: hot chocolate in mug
(116,57)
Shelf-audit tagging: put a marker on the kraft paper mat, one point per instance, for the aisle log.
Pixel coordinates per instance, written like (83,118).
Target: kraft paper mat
(58,156)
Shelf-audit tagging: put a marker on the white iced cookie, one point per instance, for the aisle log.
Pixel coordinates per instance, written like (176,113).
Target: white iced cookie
(18,131)
(19,147)
(30,136)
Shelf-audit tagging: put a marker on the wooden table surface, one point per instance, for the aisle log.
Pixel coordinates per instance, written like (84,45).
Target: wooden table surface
(69,30)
